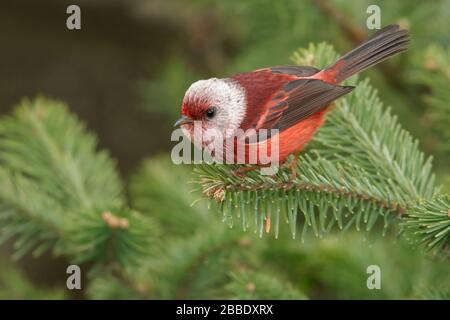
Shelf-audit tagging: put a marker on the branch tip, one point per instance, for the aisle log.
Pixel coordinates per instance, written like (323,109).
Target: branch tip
(115,222)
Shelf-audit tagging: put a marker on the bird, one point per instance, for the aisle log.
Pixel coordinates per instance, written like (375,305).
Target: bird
(290,100)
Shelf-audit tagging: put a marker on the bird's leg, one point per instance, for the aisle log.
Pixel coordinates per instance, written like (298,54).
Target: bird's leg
(293,167)
(240,172)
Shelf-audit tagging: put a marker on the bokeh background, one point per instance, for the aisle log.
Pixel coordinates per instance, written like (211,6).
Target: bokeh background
(126,71)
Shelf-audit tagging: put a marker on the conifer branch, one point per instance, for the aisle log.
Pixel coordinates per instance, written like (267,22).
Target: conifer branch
(428,224)
(58,192)
(360,168)
(184,270)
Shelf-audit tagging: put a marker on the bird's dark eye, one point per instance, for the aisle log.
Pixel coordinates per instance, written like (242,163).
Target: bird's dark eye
(210,113)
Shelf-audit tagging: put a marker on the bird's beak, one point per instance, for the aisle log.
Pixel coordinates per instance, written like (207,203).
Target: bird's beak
(182,120)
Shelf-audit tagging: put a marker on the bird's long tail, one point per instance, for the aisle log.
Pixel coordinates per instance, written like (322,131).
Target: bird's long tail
(380,46)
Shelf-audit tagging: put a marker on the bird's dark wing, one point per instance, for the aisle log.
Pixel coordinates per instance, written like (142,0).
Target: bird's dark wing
(298,71)
(263,84)
(297,100)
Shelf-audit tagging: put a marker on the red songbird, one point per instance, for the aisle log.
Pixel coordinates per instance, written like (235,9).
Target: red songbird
(292,99)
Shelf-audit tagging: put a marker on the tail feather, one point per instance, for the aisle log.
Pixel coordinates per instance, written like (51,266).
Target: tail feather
(379,47)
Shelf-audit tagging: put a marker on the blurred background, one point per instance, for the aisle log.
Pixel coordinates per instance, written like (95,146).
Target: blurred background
(125,73)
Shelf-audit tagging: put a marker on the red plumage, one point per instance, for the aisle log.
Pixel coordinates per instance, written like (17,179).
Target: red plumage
(294,99)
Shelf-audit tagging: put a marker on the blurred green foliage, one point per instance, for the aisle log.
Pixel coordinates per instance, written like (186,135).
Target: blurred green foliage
(14,285)
(184,250)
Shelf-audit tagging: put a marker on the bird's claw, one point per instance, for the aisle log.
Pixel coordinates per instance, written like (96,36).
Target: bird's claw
(240,172)
(293,175)
(293,167)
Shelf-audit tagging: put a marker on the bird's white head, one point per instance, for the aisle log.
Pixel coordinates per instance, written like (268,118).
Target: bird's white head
(217,104)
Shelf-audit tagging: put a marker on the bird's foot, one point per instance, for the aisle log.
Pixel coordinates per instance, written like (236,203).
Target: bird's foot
(241,171)
(293,167)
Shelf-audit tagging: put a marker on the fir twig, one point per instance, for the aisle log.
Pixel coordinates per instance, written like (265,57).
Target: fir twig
(56,190)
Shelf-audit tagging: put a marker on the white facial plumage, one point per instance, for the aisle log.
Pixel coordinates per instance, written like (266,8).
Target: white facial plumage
(227,97)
